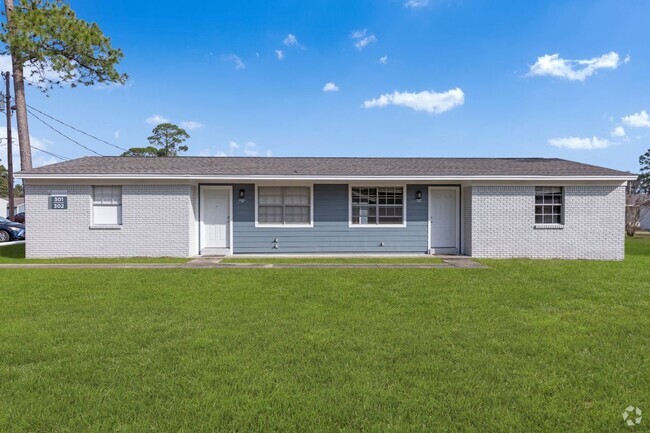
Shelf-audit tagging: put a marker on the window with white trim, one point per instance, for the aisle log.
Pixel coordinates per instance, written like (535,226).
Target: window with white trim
(107,205)
(549,201)
(284,205)
(377,205)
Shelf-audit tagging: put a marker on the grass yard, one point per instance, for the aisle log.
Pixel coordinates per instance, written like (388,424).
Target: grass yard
(424,260)
(526,346)
(15,253)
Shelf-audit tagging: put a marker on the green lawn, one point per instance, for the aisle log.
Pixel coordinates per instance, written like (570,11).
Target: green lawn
(524,346)
(424,260)
(16,254)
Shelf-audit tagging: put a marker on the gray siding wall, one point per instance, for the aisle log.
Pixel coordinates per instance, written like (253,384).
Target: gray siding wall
(503,223)
(331,232)
(155,223)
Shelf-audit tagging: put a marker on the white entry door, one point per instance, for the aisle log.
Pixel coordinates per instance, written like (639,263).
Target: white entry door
(443,220)
(215,218)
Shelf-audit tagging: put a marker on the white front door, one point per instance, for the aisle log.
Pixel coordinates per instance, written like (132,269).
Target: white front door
(215,217)
(443,220)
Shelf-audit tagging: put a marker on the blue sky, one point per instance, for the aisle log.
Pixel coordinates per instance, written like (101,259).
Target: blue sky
(459,78)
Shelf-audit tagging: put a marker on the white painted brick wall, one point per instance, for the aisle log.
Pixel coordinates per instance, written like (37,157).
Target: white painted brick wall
(155,223)
(503,223)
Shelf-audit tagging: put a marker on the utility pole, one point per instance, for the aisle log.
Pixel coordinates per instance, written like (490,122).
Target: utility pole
(24,145)
(10,157)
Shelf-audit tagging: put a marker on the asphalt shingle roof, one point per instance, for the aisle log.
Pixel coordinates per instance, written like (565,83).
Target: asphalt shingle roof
(298,166)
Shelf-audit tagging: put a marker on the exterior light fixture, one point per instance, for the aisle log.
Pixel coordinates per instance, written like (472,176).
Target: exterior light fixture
(418,196)
(242,195)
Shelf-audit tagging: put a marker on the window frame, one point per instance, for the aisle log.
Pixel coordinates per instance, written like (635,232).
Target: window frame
(258,224)
(378,185)
(119,205)
(562,205)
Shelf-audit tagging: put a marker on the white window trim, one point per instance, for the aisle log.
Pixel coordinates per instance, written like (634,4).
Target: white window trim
(285,226)
(95,226)
(376,185)
(559,225)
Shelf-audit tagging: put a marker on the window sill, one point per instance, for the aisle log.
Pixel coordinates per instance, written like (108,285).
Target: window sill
(549,226)
(377,226)
(283,226)
(106,227)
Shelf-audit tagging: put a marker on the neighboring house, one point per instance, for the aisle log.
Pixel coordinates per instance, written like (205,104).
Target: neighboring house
(19,205)
(184,206)
(643,201)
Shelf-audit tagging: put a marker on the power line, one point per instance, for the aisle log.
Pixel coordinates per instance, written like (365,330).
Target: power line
(77,129)
(62,134)
(55,155)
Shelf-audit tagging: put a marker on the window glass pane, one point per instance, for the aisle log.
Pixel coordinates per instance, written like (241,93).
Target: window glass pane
(296,214)
(284,205)
(551,198)
(372,195)
(270,214)
(270,196)
(382,205)
(296,196)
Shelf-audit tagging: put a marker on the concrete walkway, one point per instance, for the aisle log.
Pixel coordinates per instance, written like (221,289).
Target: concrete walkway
(215,263)
(447,263)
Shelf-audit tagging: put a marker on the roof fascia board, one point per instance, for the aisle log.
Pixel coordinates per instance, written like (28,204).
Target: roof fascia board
(318,178)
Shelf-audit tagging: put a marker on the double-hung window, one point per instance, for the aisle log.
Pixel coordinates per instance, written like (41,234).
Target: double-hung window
(284,205)
(549,201)
(377,205)
(107,205)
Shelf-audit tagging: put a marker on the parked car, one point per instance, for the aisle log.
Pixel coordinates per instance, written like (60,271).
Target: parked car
(19,218)
(11,231)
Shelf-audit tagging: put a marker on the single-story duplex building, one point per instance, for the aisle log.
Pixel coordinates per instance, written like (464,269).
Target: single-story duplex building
(186,206)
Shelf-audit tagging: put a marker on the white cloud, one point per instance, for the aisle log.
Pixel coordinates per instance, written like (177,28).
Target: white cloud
(383,60)
(292,41)
(250,149)
(416,3)
(555,66)
(637,120)
(578,143)
(279,54)
(330,87)
(156,119)
(116,134)
(246,149)
(232,147)
(191,125)
(428,101)
(362,38)
(31,72)
(619,131)
(236,61)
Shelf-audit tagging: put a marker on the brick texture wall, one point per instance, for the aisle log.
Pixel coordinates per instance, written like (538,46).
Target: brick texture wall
(503,224)
(156,222)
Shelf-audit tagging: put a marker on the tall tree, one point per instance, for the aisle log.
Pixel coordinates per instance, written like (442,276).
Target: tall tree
(4,184)
(166,140)
(46,38)
(643,182)
(148,151)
